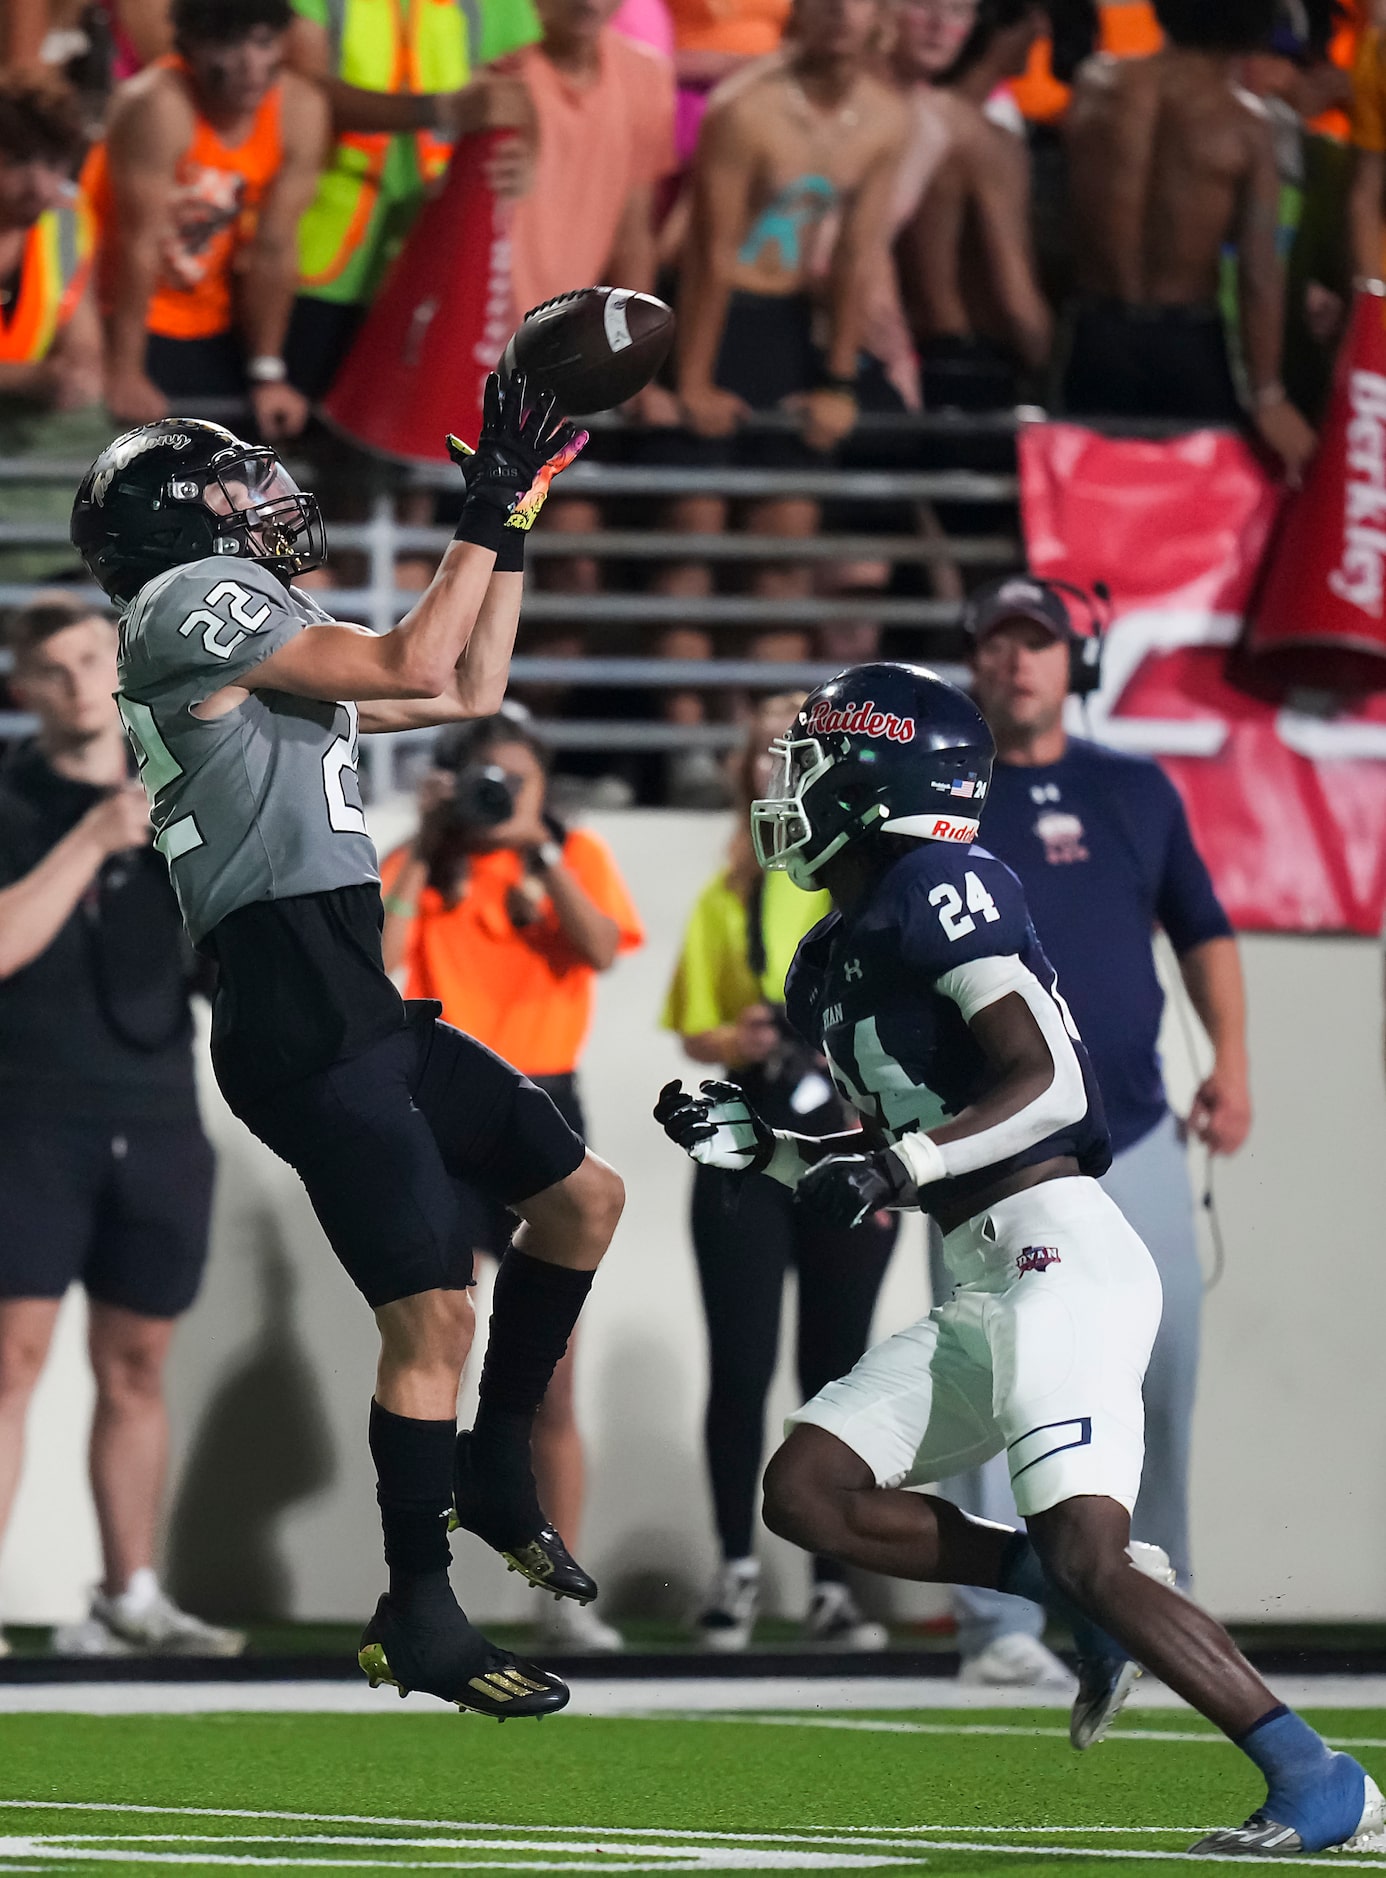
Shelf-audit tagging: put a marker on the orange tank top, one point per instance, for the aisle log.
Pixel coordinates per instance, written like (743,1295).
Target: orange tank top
(216,201)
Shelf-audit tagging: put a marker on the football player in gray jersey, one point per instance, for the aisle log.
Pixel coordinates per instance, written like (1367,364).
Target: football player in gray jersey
(243,701)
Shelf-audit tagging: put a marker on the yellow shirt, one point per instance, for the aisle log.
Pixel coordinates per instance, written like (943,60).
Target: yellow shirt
(713,982)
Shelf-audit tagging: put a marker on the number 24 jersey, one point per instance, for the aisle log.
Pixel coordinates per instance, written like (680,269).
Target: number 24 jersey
(871,991)
(263,803)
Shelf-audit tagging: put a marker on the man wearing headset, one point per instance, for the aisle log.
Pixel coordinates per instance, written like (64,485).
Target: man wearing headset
(1103,850)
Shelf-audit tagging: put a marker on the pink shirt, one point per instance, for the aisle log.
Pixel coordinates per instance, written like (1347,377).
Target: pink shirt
(647,22)
(596,144)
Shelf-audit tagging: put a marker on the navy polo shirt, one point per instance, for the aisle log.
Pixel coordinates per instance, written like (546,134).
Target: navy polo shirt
(1103,849)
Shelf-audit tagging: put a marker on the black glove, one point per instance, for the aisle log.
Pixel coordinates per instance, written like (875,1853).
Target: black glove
(518,454)
(845,1189)
(717,1128)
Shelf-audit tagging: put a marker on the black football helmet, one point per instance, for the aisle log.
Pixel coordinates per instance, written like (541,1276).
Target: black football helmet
(182,489)
(878,749)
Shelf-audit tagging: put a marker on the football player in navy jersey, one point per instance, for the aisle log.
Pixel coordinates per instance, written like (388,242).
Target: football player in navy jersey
(927,991)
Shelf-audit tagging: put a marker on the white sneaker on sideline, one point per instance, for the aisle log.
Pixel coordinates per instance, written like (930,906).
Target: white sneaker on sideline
(147,1617)
(576,1630)
(89,1637)
(728,1617)
(4,1644)
(1016,1660)
(835,1622)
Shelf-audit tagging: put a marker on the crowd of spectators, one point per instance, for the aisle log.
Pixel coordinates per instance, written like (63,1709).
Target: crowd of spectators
(1121,209)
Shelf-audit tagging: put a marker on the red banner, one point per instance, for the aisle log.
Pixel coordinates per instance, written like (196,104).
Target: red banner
(1287,803)
(418,366)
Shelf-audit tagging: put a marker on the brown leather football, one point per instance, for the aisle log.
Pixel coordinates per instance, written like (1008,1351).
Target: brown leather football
(593,348)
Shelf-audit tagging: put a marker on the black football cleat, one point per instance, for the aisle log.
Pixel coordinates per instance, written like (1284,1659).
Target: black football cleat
(458,1664)
(510,1520)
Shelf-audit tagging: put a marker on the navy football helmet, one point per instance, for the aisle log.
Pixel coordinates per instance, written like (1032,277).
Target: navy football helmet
(181,489)
(879,749)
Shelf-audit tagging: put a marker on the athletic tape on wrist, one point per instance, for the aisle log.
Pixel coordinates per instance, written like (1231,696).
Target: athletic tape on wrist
(784,1164)
(923,1159)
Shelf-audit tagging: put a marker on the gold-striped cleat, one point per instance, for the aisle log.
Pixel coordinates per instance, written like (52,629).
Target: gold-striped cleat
(484,1681)
(541,1558)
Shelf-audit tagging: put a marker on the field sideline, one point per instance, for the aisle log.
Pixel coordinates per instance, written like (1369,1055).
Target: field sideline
(968,1791)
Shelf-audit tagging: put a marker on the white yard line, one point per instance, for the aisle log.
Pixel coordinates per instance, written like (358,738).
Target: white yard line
(620,1697)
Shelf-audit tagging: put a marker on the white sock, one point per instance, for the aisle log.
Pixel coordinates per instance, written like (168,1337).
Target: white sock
(141,1591)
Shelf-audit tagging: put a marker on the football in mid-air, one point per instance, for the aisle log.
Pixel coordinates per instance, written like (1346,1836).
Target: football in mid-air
(593,348)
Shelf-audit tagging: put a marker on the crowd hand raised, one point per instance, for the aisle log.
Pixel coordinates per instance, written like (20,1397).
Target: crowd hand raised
(717,1128)
(846,1189)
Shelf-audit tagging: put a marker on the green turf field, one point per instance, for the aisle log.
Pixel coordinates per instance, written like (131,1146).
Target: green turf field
(971,1793)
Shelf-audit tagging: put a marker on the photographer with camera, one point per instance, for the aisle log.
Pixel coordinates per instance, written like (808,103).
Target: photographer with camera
(505,917)
(726,1002)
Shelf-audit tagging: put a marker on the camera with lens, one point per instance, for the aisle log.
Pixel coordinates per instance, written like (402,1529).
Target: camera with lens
(483,796)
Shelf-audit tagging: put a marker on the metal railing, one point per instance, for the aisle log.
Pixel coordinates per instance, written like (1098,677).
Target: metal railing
(631,553)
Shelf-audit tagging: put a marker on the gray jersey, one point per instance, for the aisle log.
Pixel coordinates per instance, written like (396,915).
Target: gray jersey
(263,803)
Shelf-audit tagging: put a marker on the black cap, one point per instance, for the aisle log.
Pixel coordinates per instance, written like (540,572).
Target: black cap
(1017,596)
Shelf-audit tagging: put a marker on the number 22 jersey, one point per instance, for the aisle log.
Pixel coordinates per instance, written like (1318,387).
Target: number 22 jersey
(885,993)
(259,817)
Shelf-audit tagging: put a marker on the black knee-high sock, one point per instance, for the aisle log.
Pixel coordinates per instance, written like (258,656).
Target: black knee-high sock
(534,1308)
(413,1469)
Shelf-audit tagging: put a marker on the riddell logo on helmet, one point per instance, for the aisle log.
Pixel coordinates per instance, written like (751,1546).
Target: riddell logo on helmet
(862,720)
(946,829)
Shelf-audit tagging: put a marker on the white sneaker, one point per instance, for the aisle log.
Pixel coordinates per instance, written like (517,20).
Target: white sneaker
(727,1619)
(4,1644)
(146,1616)
(835,1622)
(89,1637)
(1016,1660)
(570,1629)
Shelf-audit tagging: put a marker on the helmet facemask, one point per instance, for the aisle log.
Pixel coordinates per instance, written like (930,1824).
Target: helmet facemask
(257,510)
(783,829)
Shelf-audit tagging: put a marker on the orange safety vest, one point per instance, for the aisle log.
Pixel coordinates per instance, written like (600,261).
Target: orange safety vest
(53,275)
(216,201)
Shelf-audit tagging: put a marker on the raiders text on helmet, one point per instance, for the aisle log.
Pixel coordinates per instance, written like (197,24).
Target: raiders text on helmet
(879,748)
(180,490)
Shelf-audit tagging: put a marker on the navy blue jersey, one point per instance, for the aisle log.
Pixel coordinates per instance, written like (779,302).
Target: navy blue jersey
(880,993)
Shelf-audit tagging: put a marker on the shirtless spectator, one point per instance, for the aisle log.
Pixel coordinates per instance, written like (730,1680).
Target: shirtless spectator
(967,255)
(211,156)
(1170,164)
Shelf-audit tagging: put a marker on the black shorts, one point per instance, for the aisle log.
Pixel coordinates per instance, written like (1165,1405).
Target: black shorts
(196,368)
(501,1223)
(121,1208)
(1157,362)
(407,1149)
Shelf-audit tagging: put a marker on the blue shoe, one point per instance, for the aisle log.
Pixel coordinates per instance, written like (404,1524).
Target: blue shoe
(1345,1807)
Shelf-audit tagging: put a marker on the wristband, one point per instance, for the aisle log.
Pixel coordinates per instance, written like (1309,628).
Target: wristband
(549,855)
(784,1164)
(1269,396)
(402,909)
(921,1157)
(843,382)
(510,555)
(483,525)
(267,370)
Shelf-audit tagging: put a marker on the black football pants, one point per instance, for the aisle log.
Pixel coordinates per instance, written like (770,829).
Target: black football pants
(748,1234)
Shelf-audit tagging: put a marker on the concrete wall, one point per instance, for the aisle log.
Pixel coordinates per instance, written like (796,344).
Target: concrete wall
(273,1509)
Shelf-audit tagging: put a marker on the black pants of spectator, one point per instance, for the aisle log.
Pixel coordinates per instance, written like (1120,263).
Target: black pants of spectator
(196,368)
(1150,361)
(748,1234)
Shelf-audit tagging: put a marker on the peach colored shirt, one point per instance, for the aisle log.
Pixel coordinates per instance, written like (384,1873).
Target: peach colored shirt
(596,144)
